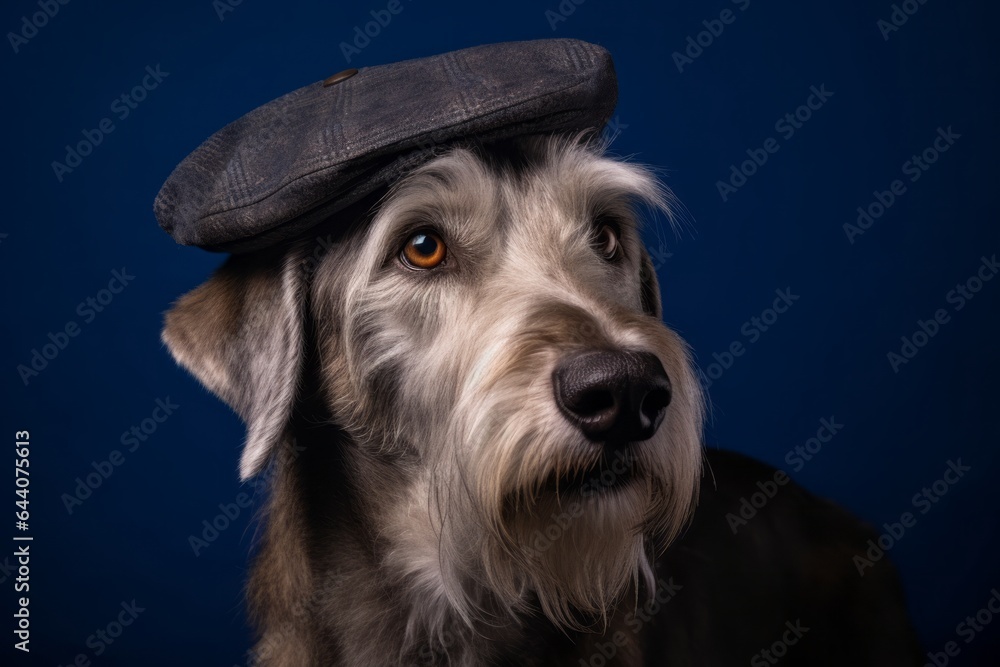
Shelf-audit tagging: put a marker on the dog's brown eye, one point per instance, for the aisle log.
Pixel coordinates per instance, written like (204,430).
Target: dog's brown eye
(424,250)
(606,242)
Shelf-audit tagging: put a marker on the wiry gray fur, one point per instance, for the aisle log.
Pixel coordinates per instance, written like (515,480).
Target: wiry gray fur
(439,386)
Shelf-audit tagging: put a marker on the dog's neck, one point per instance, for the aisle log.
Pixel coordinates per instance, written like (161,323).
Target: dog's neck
(327,590)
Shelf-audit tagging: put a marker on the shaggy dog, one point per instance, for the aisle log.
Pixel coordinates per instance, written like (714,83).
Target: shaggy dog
(483,441)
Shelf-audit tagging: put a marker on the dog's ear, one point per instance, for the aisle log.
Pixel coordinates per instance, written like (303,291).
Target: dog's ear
(649,287)
(241,334)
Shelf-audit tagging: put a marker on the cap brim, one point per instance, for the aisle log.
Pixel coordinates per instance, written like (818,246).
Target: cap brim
(293,162)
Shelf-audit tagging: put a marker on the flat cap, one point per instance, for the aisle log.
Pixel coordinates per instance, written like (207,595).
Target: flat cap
(291,163)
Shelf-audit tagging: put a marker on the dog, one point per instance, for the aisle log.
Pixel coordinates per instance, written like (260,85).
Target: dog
(484,447)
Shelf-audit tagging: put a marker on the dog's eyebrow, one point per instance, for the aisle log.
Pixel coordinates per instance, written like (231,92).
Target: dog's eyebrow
(620,218)
(439,194)
(595,186)
(612,185)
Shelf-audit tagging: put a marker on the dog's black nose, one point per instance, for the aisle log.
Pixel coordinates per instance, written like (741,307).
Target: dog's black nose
(613,396)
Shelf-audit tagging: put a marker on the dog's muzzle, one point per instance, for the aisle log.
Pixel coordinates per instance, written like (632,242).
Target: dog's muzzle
(612,397)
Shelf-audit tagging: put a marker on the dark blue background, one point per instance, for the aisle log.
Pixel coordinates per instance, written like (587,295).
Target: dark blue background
(825,357)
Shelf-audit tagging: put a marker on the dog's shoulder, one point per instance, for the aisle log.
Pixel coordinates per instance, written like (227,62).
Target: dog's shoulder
(753,509)
(746,492)
(770,553)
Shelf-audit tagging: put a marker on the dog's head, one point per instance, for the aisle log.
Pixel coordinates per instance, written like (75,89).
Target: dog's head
(490,339)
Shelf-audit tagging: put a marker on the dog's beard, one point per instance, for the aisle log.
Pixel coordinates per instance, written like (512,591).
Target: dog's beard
(552,520)
(499,466)
(579,547)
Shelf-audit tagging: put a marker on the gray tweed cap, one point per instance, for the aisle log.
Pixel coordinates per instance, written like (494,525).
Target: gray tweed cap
(291,163)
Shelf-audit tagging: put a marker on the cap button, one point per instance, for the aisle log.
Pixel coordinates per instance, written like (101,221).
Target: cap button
(338,77)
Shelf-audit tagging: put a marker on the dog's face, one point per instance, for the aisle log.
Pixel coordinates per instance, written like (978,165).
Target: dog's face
(491,342)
